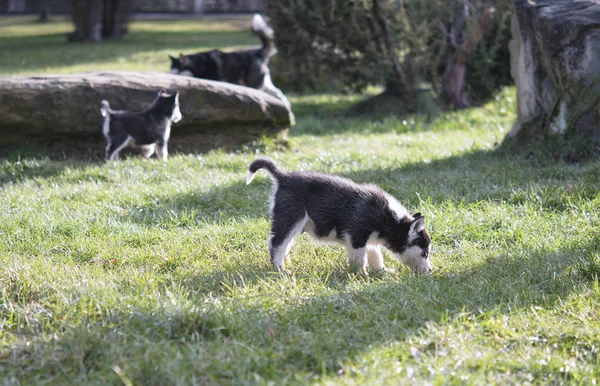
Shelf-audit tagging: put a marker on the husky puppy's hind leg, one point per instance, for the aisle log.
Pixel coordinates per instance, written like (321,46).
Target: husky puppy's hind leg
(117,143)
(357,258)
(287,223)
(161,150)
(375,259)
(147,150)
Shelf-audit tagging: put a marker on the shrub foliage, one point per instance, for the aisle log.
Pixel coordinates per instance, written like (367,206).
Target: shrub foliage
(405,44)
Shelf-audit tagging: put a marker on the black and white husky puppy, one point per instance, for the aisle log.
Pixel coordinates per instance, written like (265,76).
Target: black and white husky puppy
(331,208)
(148,130)
(246,67)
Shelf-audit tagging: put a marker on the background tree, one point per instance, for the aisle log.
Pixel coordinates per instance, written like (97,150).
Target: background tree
(44,12)
(98,19)
(555,56)
(458,49)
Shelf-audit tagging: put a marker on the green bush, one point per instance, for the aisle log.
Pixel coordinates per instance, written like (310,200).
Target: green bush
(327,44)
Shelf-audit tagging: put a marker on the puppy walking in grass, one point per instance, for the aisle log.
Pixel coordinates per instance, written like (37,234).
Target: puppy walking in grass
(331,208)
(148,130)
(246,67)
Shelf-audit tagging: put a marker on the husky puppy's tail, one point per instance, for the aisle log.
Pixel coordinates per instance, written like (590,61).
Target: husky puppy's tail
(266,36)
(263,163)
(104,108)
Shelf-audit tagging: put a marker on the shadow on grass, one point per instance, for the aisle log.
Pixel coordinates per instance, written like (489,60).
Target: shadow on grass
(381,314)
(321,117)
(323,106)
(479,176)
(486,175)
(22,163)
(28,158)
(311,336)
(327,114)
(221,203)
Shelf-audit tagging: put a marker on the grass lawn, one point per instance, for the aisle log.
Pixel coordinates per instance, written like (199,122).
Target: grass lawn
(143,272)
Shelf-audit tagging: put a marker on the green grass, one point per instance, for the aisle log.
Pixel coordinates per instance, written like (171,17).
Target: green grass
(31,48)
(146,272)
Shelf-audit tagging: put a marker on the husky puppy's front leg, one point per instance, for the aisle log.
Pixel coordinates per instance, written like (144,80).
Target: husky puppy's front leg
(161,150)
(375,258)
(358,259)
(115,146)
(147,150)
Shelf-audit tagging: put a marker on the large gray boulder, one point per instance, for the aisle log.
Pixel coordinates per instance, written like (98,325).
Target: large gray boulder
(555,61)
(68,105)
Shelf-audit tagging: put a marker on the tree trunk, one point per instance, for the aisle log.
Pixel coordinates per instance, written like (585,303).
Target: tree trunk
(454,76)
(110,22)
(115,17)
(77,14)
(16,5)
(198,6)
(44,13)
(555,62)
(453,81)
(87,20)
(97,19)
(402,85)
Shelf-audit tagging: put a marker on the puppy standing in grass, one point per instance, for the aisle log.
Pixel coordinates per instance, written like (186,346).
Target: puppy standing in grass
(331,208)
(246,67)
(148,130)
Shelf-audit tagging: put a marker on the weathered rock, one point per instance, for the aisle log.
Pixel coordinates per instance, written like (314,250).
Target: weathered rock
(69,104)
(555,61)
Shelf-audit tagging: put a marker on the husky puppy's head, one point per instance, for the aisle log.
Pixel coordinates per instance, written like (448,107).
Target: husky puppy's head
(205,65)
(414,249)
(181,65)
(168,105)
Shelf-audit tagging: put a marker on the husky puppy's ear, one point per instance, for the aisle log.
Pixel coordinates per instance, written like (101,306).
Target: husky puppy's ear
(161,92)
(176,112)
(417,215)
(417,225)
(104,108)
(175,62)
(214,55)
(184,60)
(174,96)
